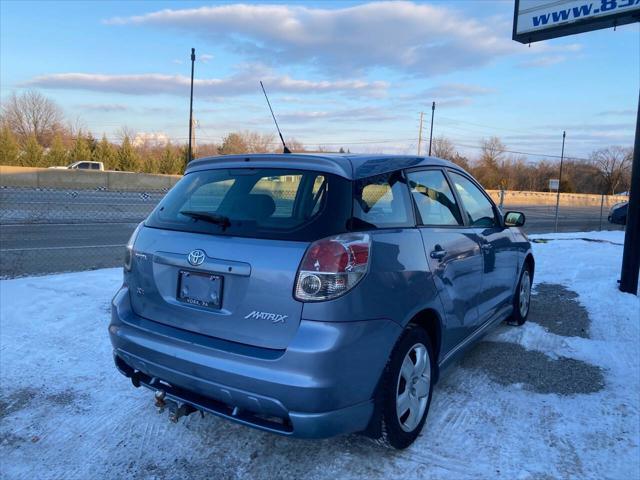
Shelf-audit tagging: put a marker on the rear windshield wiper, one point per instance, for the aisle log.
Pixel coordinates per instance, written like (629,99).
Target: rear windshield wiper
(221,220)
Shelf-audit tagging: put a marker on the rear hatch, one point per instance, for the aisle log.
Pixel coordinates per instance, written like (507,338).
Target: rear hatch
(220,253)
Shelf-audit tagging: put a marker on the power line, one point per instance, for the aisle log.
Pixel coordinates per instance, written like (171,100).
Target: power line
(534,154)
(486,127)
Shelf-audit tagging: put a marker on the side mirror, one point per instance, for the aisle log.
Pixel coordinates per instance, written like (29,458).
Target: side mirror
(514,219)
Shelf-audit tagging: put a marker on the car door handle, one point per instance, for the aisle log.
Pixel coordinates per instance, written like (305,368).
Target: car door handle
(438,253)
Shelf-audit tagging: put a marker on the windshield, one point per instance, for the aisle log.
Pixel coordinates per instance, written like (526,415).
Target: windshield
(281,204)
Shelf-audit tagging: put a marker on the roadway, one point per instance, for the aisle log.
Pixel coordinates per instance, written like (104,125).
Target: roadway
(31,248)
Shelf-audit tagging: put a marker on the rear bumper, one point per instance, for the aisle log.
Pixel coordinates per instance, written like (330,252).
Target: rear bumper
(320,386)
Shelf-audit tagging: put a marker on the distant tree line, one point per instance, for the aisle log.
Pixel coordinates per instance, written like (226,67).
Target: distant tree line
(33,134)
(607,170)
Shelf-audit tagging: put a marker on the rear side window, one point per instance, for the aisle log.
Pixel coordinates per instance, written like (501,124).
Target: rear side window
(382,202)
(434,199)
(259,203)
(477,206)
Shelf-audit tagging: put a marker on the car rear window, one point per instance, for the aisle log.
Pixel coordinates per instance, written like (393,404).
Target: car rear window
(259,203)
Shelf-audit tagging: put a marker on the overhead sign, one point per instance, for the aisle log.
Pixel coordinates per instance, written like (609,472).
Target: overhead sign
(536,20)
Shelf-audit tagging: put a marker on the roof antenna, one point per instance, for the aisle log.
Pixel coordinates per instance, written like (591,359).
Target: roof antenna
(286,149)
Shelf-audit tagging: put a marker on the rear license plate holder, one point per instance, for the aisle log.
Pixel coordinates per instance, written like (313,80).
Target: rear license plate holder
(200,289)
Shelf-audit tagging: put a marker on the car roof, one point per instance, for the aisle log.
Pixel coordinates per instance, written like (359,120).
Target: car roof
(351,166)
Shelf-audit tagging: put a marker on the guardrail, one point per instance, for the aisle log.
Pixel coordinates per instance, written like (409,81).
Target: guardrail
(84,179)
(549,198)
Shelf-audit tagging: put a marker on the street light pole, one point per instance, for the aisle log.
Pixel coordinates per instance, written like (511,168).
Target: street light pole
(564,134)
(193,60)
(433,109)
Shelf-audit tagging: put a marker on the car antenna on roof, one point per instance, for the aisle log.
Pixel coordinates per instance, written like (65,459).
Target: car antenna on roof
(286,149)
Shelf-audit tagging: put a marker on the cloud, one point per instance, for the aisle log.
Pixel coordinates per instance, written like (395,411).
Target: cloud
(585,127)
(150,139)
(547,54)
(448,95)
(456,90)
(621,112)
(415,38)
(104,107)
(545,61)
(578,141)
(243,82)
(362,114)
(205,58)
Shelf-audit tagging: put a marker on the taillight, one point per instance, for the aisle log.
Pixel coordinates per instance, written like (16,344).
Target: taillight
(332,266)
(128,255)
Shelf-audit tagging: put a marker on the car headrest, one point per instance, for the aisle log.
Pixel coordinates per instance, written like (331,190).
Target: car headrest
(260,206)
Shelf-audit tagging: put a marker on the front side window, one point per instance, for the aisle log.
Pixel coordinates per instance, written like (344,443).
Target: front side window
(382,202)
(433,198)
(257,202)
(477,206)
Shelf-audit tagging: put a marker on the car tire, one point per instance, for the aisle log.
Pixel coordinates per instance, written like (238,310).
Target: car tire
(408,378)
(522,298)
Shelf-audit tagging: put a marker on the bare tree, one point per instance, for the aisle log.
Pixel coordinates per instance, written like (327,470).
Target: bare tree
(233,143)
(491,164)
(258,142)
(246,142)
(614,164)
(125,132)
(443,148)
(32,114)
(295,145)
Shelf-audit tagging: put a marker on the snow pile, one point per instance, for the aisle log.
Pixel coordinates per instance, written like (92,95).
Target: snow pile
(66,413)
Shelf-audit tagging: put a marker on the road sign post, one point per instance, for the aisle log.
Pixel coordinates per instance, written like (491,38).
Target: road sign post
(564,136)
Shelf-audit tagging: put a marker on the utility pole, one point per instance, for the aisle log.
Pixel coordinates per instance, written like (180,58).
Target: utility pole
(193,61)
(420,133)
(433,109)
(564,135)
(631,252)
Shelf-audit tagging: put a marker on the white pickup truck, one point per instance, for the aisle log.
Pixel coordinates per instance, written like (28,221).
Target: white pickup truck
(83,165)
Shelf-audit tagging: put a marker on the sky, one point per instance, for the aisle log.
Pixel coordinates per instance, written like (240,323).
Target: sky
(339,74)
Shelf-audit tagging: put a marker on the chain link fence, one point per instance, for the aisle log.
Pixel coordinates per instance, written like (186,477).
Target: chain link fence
(50,230)
(46,230)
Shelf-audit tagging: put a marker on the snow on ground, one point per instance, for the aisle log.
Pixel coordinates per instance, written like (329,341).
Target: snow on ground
(66,413)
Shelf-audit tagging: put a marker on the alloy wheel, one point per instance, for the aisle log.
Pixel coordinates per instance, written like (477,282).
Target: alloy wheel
(525,294)
(414,384)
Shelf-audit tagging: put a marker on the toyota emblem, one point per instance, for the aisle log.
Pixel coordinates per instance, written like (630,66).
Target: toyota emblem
(196,257)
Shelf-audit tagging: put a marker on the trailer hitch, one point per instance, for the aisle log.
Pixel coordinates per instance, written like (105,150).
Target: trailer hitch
(181,410)
(176,410)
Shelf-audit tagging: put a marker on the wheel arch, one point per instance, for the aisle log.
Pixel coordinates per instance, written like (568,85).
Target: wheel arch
(531,263)
(429,320)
